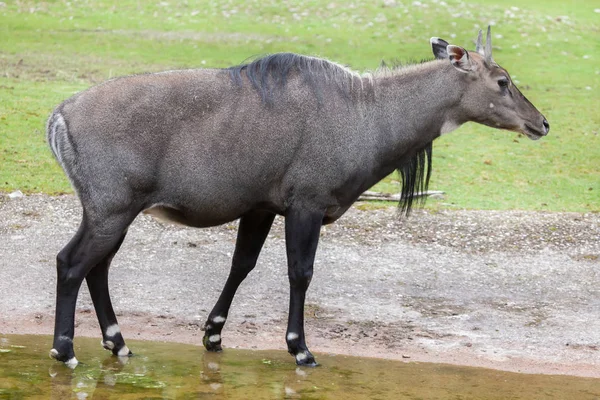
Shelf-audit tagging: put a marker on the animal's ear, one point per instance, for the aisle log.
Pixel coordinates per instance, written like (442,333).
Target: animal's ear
(439,48)
(459,57)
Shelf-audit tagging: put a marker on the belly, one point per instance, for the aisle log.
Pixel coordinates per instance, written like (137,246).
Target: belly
(333,213)
(188,218)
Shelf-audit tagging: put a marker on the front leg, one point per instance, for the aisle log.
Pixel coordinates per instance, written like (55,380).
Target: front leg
(302,228)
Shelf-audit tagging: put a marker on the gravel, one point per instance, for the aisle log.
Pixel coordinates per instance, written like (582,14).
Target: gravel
(498,286)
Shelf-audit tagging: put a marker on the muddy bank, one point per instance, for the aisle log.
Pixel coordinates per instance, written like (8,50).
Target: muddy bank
(508,290)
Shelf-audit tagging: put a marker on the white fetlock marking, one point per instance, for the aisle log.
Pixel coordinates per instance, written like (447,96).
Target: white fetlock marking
(108,345)
(301,356)
(72,363)
(53,354)
(112,330)
(219,320)
(214,338)
(292,336)
(123,352)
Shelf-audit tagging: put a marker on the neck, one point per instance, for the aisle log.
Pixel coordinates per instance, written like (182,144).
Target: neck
(404,112)
(417,104)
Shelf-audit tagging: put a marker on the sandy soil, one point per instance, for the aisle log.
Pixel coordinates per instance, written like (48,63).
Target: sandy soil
(508,290)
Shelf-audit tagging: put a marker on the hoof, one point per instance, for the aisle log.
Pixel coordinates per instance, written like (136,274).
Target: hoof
(212,343)
(110,346)
(305,358)
(312,364)
(123,352)
(70,362)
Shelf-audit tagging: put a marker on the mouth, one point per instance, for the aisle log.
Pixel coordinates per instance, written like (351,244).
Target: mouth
(533,133)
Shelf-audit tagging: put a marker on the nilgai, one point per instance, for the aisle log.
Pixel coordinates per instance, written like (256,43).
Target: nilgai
(288,135)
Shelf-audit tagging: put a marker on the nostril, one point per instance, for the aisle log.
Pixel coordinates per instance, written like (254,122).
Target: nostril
(546,125)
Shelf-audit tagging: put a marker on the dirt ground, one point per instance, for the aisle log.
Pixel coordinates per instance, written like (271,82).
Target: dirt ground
(517,291)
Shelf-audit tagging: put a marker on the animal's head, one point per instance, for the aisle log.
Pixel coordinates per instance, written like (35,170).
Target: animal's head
(489,95)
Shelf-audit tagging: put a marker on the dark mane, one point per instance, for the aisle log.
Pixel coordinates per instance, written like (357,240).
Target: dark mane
(415,173)
(270,73)
(396,63)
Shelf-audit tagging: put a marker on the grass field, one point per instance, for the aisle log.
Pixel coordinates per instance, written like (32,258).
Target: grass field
(50,50)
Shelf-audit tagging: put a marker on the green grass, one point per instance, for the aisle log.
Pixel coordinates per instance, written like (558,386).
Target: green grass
(50,50)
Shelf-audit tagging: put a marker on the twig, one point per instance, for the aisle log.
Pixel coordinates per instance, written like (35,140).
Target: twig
(370,196)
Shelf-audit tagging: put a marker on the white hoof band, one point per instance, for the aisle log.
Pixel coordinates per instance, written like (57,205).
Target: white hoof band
(72,363)
(53,354)
(214,338)
(108,345)
(301,356)
(123,352)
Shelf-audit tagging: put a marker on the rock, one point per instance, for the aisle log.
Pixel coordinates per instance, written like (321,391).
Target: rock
(16,195)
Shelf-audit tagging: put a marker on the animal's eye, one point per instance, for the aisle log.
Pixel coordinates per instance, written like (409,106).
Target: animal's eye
(503,82)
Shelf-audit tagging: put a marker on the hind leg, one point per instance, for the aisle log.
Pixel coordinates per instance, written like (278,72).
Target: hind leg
(253,230)
(93,242)
(97,281)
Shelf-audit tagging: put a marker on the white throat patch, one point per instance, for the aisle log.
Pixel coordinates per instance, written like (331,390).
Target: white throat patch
(448,126)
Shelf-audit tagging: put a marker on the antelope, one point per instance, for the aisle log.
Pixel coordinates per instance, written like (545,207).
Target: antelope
(286,134)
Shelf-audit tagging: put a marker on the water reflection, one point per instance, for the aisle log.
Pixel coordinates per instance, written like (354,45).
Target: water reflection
(171,371)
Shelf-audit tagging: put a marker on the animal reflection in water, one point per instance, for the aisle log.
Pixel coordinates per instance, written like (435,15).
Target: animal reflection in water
(286,134)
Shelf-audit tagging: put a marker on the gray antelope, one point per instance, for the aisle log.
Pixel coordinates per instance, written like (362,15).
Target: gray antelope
(285,134)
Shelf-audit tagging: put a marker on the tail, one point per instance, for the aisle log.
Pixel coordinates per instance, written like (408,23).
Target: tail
(57,135)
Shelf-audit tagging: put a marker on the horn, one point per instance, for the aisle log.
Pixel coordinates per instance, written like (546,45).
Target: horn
(488,46)
(479,45)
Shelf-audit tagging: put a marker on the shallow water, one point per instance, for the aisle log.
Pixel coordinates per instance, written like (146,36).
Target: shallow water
(169,371)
